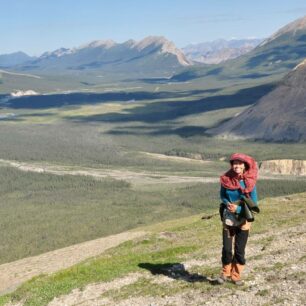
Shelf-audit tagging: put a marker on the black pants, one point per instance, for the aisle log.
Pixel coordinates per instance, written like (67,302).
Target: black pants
(241,238)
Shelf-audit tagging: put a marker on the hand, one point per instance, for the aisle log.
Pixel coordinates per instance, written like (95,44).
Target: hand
(232,207)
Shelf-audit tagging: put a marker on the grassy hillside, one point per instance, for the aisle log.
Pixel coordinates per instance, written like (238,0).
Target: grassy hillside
(158,257)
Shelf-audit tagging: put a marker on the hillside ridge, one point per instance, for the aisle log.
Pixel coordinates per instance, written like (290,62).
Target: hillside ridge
(277,116)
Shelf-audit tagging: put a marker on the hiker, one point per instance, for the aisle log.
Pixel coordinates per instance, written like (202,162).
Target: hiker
(237,184)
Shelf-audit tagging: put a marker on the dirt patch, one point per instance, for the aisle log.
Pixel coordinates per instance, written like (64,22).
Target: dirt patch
(140,178)
(94,291)
(197,160)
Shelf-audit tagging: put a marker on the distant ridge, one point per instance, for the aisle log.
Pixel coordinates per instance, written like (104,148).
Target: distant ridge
(153,53)
(276,55)
(291,29)
(220,50)
(12,59)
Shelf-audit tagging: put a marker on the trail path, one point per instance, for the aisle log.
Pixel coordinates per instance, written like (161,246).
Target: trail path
(134,177)
(15,273)
(137,178)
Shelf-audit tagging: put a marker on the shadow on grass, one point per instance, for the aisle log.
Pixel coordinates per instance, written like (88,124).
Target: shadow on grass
(79,98)
(163,111)
(184,131)
(173,270)
(23,117)
(283,53)
(199,71)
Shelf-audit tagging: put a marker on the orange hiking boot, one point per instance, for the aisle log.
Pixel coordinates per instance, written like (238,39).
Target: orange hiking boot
(225,274)
(236,274)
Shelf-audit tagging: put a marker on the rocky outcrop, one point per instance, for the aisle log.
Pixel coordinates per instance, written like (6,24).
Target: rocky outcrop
(283,166)
(165,46)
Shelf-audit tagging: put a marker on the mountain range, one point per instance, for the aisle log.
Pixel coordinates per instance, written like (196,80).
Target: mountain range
(155,54)
(220,50)
(152,54)
(276,55)
(207,52)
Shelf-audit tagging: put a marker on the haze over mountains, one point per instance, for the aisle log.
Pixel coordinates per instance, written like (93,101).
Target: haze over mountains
(220,50)
(276,55)
(212,52)
(13,59)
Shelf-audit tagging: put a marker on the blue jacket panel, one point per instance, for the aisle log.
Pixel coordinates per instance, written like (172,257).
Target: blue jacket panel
(233,195)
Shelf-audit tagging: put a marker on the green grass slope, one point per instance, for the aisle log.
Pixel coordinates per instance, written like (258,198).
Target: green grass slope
(189,239)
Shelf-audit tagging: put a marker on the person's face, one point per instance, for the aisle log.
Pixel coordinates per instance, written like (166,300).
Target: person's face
(238,166)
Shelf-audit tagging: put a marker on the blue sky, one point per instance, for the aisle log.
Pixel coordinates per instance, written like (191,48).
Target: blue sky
(35,26)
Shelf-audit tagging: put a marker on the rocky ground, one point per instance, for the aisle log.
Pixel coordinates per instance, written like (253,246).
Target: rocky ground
(275,275)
